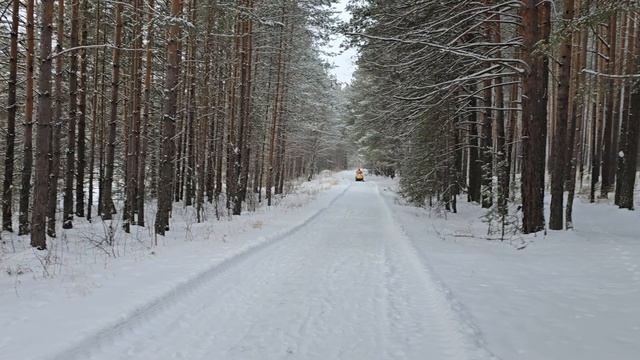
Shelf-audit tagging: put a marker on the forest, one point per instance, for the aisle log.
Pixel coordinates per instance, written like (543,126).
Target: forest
(504,101)
(320,179)
(114,105)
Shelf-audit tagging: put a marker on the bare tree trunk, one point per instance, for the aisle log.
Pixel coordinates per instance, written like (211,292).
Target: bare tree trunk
(486,148)
(82,106)
(575,127)
(629,68)
(102,131)
(220,135)
(191,127)
(475,168)
(501,154)
(212,106)
(133,135)
(38,235)
(108,208)
(559,148)
(244,126)
(608,154)
(146,115)
(168,122)
(597,125)
(94,113)
(67,205)
(535,28)
(12,106)
(631,136)
(27,160)
(54,161)
(276,110)
(181,140)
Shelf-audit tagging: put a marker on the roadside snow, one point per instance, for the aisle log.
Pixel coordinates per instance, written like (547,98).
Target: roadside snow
(77,289)
(567,295)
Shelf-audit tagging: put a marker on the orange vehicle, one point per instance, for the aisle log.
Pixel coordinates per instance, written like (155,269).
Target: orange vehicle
(359,175)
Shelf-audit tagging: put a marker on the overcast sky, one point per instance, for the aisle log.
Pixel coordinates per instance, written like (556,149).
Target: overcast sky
(344,62)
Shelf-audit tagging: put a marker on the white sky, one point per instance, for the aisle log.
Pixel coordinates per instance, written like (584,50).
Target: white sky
(344,61)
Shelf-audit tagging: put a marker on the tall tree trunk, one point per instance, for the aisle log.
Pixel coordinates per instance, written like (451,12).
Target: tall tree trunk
(67,205)
(54,161)
(82,107)
(133,136)
(276,111)
(501,154)
(244,126)
(108,208)
(559,148)
(576,127)
(94,113)
(146,115)
(27,159)
(475,167)
(168,121)
(38,235)
(486,147)
(102,131)
(598,118)
(191,127)
(535,20)
(220,126)
(631,136)
(608,154)
(211,101)
(12,106)
(502,163)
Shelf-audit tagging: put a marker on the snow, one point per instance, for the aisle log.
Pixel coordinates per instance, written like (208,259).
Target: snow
(339,270)
(566,295)
(78,290)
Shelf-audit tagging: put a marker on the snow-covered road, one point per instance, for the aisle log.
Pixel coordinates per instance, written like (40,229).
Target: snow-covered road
(346,285)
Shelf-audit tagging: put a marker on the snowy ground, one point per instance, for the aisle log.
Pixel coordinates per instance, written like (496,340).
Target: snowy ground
(340,271)
(566,295)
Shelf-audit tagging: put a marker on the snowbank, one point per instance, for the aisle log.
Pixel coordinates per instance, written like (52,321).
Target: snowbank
(81,288)
(566,295)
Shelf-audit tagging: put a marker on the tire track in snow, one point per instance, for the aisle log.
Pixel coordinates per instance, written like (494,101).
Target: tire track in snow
(460,337)
(144,313)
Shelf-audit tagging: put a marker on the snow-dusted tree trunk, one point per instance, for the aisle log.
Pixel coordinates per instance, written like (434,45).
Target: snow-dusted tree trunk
(107,207)
(70,169)
(27,159)
(12,107)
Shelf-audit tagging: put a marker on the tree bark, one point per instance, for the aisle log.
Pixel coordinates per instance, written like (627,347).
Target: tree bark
(94,113)
(629,152)
(108,208)
(12,105)
(38,221)
(56,133)
(608,154)
(146,115)
(535,20)
(67,205)
(27,159)
(168,122)
(475,167)
(559,148)
(82,107)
